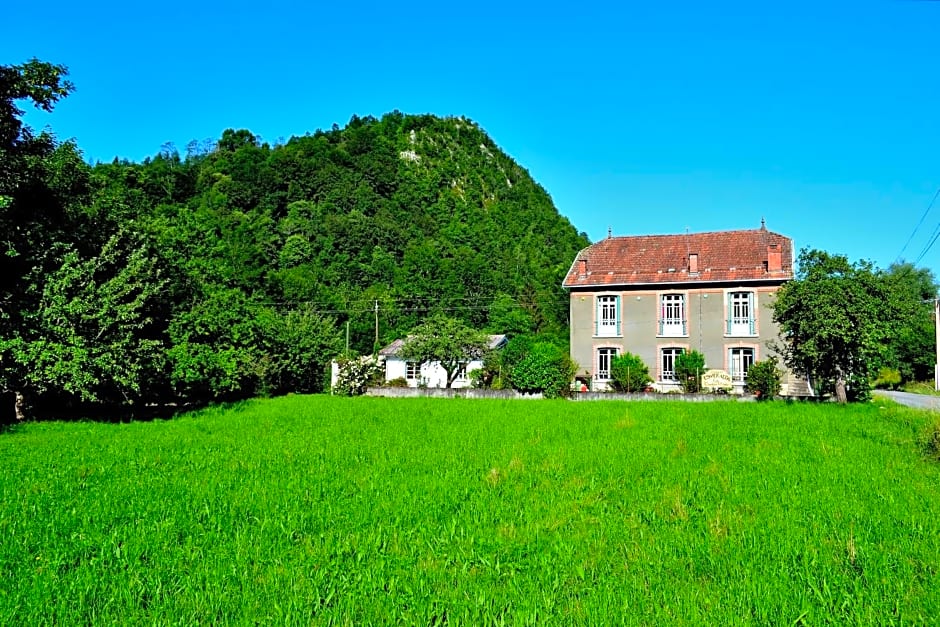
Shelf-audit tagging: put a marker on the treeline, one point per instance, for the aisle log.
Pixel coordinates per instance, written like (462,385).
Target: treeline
(240,268)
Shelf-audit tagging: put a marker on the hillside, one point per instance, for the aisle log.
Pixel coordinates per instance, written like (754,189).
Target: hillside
(249,262)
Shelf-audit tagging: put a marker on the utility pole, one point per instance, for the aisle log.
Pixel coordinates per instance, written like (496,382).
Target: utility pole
(376,325)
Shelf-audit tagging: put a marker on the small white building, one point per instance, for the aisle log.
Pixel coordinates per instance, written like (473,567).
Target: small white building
(429,374)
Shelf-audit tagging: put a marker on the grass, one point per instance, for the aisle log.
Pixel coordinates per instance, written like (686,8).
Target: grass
(920,387)
(318,510)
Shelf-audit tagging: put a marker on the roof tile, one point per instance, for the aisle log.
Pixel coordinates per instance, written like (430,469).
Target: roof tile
(723,256)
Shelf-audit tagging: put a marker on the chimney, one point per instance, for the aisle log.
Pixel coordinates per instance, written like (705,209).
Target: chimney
(582,267)
(693,263)
(774,258)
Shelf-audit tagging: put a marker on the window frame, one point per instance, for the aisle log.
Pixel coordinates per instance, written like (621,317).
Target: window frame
(604,353)
(737,325)
(730,356)
(673,351)
(673,326)
(605,324)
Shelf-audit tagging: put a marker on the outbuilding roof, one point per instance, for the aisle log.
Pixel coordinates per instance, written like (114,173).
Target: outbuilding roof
(394,348)
(717,256)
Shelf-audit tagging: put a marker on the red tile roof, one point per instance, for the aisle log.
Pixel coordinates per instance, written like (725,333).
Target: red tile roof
(724,256)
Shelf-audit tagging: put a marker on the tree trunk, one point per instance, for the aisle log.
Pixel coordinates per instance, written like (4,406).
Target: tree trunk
(841,396)
(19,406)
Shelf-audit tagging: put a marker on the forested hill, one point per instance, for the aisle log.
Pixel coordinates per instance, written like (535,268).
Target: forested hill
(417,213)
(240,268)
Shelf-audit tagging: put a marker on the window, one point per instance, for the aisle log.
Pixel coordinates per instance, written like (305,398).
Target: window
(672,315)
(739,362)
(461,372)
(667,371)
(604,357)
(608,316)
(412,370)
(741,313)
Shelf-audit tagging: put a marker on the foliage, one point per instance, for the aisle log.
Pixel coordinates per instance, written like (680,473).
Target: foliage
(397,382)
(265,252)
(888,379)
(690,366)
(447,341)
(910,343)
(92,336)
(835,320)
(763,379)
(230,346)
(629,373)
(545,368)
(403,511)
(44,85)
(356,374)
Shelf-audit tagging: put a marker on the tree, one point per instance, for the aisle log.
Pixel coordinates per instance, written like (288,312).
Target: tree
(43,84)
(628,373)
(546,368)
(763,379)
(835,320)
(92,336)
(689,368)
(447,341)
(910,345)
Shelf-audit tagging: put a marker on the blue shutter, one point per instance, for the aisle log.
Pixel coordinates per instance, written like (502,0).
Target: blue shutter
(617,312)
(730,306)
(751,311)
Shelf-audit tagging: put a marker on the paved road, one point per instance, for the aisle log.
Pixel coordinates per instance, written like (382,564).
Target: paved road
(920,401)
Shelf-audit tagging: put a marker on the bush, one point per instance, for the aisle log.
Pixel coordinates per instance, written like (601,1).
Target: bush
(689,368)
(547,369)
(763,379)
(398,382)
(888,379)
(356,374)
(628,373)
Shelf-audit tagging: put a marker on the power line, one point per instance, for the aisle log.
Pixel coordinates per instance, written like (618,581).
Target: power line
(919,224)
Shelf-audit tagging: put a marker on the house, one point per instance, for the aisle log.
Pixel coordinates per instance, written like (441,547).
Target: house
(660,295)
(429,374)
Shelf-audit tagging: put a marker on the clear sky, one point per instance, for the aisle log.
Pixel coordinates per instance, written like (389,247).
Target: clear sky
(820,117)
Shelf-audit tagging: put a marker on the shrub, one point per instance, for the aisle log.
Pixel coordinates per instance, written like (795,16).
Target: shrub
(888,378)
(398,382)
(628,373)
(689,368)
(763,379)
(356,374)
(547,369)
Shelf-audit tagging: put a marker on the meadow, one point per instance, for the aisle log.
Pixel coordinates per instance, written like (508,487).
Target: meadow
(320,510)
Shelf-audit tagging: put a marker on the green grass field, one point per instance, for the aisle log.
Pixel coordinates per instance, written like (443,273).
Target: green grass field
(318,510)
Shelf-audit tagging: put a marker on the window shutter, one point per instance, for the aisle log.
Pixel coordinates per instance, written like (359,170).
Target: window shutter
(751,311)
(617,312)
(729,309)
(597,315)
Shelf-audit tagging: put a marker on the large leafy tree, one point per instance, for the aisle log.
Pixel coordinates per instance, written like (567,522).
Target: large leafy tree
(42,84)
(447,341)
(911,344)
(835,319)
(92,336)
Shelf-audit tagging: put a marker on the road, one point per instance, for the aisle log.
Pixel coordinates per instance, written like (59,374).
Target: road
(920,401)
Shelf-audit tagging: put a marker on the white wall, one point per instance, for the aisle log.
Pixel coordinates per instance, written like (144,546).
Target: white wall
(431,373)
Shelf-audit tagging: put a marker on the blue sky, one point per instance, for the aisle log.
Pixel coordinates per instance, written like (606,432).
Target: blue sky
(648,117)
